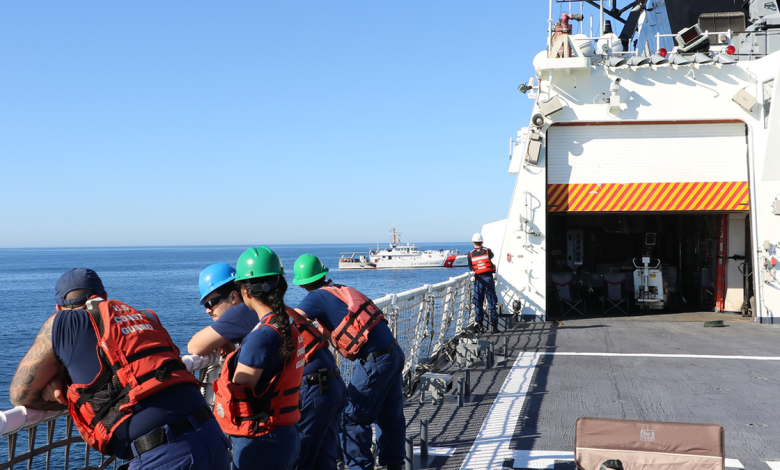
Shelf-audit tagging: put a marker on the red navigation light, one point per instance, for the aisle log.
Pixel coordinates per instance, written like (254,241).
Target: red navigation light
(730,50)
(662,52)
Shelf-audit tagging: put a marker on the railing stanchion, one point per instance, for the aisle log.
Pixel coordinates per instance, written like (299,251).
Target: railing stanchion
(460,391)
(424,438)
(31,434)
(49,440)
(409,461)
(467,386)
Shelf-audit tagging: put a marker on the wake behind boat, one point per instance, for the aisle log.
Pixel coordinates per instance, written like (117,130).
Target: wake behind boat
(398,256)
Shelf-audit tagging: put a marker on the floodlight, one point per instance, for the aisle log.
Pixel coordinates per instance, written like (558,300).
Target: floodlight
(678,59)
(615,61)
(534,148)
(724,59)
(692,39)
(702,58)
(658,59)
(637,61)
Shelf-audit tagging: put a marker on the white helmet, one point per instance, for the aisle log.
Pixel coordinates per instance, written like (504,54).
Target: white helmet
(477,238)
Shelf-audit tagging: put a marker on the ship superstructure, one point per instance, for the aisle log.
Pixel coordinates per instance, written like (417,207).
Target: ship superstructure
(402,256)
(649,173)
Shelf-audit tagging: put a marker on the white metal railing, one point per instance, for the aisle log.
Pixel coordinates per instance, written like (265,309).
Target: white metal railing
(424,320)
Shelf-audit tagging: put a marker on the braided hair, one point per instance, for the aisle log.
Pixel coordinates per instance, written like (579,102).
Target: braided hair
(270,291)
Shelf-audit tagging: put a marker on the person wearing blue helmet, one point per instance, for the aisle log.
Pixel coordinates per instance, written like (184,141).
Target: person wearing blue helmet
(233,320)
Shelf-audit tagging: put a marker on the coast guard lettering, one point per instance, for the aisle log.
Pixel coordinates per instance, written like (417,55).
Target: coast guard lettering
(137,359)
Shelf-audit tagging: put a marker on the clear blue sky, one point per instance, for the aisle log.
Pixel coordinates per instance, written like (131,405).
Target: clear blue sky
(188,122)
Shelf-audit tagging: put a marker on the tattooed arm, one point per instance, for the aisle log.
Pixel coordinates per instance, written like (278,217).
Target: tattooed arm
(38,367)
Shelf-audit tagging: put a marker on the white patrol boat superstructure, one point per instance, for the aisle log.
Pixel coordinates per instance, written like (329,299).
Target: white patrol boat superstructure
(649,174)
(398,256)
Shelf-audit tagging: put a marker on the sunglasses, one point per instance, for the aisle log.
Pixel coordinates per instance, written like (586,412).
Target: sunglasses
(214,301)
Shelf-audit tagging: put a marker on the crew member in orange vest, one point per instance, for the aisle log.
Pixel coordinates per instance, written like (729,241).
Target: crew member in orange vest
(257,396)
(359,332)
(480,261)
(128,391)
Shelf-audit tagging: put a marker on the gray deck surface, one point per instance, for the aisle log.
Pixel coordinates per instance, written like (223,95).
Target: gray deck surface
(740,394)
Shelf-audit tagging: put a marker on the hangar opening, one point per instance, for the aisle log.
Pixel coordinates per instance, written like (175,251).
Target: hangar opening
(647,217)
(598,258)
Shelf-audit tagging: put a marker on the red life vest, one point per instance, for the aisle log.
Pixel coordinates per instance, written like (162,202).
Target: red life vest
(480,262)
(137,359)
(242,412)
(315,337)
(352,333)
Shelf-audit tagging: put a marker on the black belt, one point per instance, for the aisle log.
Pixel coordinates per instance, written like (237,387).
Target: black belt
(321,378)
(322,375)
(379,352)
(159,437)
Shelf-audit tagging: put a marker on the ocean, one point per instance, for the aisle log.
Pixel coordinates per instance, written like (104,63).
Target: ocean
(163,279)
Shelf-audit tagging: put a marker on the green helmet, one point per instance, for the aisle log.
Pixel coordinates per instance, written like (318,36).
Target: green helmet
(259,261)
(308,268)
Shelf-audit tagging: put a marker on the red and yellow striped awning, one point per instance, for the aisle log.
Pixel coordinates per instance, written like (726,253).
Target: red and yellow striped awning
(631,197)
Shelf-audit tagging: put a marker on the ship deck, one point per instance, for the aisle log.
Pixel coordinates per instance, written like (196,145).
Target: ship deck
(521,413)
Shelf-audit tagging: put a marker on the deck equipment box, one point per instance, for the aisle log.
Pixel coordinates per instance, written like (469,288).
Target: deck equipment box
(649,444)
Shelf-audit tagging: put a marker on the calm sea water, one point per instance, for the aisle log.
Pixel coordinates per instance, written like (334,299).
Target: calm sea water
(163,279)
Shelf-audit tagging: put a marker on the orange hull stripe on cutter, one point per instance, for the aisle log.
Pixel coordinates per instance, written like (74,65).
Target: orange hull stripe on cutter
(617,197)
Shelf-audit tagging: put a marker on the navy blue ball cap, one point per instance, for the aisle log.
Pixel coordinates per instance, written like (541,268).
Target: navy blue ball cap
(77,278)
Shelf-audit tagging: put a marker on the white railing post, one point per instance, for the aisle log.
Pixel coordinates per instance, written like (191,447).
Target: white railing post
(418,332)
(446,317)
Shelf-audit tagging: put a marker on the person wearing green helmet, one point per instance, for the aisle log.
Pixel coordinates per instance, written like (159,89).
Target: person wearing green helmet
(374,394)
(323,393)
(257,394)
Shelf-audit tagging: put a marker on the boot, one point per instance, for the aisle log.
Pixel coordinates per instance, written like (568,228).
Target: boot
(494,325)
(479,327)
(395,466)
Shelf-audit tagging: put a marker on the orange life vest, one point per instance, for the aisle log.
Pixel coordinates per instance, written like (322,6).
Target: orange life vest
(480,262)
(315,337)
(362,316)
(137,359)
(242,412)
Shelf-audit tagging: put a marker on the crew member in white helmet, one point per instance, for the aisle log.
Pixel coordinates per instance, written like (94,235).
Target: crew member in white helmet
(480,262)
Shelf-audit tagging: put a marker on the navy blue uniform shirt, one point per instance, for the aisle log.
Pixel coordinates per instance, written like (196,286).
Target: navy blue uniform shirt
(74,342)
(236,323)
(260,350)
(325,307)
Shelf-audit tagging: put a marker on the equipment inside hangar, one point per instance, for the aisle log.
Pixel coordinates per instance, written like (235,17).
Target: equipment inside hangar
(648,262)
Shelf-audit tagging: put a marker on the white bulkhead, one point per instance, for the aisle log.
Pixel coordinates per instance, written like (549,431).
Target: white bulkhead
(672,162)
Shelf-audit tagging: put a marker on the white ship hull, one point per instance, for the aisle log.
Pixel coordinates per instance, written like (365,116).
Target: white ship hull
(423,260)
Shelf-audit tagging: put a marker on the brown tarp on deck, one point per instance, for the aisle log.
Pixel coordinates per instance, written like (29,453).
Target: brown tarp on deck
(649,445)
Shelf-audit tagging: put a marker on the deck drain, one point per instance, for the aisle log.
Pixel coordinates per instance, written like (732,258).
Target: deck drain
(756,425)
(757,377)
(713,323)
(719,389)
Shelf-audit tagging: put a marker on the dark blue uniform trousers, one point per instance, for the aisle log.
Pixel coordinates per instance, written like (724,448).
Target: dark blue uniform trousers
(204,448)
(320,420)
(276,450)
(484,285)
(375,395)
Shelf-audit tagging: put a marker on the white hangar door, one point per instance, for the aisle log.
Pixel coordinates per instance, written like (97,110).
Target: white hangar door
(647,167)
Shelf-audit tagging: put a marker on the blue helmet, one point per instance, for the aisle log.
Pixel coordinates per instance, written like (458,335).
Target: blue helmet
(214,277)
